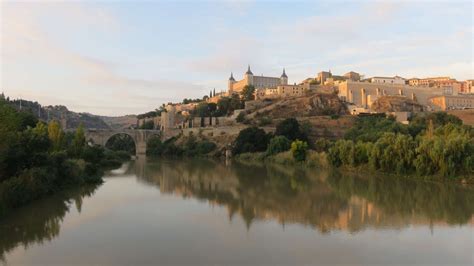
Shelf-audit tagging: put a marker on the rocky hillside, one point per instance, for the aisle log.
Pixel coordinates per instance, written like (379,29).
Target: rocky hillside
(396,104)
(310,105)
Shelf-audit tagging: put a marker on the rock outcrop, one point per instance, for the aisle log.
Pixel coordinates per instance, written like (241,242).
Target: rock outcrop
(396,104)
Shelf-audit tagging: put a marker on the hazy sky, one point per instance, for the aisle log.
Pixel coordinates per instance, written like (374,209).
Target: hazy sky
(121,57)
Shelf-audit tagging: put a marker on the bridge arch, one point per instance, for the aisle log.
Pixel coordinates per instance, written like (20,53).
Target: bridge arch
(123,138)
(139,136)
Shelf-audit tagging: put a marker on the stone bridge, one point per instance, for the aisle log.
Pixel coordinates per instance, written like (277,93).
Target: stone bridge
(139,136)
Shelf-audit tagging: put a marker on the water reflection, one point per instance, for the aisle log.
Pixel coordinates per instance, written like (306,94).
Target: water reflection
(321,199)
(40,221)
(127,221)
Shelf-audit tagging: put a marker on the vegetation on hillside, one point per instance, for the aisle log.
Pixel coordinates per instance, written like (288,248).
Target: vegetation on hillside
(434,144)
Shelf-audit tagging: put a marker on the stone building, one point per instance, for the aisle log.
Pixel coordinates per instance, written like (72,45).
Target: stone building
(168,118)
(452,102)
(323,76)
(362,93)
(282,91)
(256,81)
(354,76)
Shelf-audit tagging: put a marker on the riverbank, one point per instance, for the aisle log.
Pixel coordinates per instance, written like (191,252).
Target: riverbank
(38,159)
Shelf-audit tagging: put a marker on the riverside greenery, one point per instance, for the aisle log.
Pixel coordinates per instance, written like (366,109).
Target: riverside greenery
(434,144)
(38,159)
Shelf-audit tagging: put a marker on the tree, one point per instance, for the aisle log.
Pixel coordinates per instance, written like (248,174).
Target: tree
(299,149)
(235,103)
(251,139)
(223,106)
(290,128)
(240,118)
(278,144)
(248,93)
(212,107)
(79,140)
(56,135)
(202,109)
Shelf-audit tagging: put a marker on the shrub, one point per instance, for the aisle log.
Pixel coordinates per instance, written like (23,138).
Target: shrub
(278,144)
(251,139)
(290,128)
(298,150)
(264,121)
(154,147)
(322,145)
(240,117)
(205,147)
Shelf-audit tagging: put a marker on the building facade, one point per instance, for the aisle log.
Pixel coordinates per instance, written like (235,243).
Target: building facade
(258,82)
(359,93)
(282,91)
(452,102)
(388,80)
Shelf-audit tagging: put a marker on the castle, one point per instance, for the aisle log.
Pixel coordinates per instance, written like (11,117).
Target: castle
(259,82)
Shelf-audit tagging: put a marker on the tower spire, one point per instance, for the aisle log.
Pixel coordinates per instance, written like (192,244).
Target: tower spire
(249,72)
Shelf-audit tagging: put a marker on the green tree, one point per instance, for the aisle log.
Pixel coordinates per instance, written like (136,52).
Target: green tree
(248,93)
(79,140)
(290,128)
(299,149)
(278,144)
(251,139)
(56,135)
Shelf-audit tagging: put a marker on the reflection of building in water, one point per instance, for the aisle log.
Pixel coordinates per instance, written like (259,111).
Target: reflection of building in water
(289,196)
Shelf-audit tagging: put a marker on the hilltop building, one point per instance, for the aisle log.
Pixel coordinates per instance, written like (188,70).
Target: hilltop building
(388,80)
(257,81)
(452,102)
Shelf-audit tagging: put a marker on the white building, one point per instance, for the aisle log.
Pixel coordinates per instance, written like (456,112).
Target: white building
(388,80)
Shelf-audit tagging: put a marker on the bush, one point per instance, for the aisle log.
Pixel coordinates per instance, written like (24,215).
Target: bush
(240,117)
(251,139)
(322,145)
(278,144)
(154,147)
(298,149)
(290,128)
(205,147)
(264,121)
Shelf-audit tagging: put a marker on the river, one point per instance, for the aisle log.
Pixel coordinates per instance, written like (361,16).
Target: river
(202,212)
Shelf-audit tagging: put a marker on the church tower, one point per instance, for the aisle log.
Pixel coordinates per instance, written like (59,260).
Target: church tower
(231,84)
(284,78)
(248,76)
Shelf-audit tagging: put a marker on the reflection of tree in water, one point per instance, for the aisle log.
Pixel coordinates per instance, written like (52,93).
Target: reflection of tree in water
(404,197)
(296,195)
(40,221)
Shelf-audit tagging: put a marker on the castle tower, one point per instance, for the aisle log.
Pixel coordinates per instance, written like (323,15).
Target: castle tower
(249,76)
(231,83)
(284,78)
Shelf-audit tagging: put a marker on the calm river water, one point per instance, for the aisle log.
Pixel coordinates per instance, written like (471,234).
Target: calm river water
(201,212)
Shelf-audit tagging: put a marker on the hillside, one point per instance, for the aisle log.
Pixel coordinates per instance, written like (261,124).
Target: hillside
(120,122)
(304,106)
(60,113)
(396,104)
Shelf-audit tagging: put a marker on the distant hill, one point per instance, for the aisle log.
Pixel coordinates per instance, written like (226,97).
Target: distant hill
(60,113)
(119,122)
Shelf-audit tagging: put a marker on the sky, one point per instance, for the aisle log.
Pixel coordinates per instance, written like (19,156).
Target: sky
(128,57)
